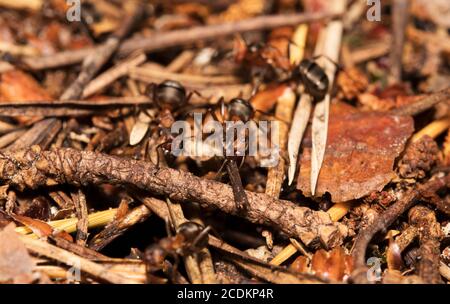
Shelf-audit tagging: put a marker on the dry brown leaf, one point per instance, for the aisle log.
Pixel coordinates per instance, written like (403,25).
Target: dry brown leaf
(300,264)
(334,265)
(16,85)
(16,264)
(360,154)
(266,99)
(40,228)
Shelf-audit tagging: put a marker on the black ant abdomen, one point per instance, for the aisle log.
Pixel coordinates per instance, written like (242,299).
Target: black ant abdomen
(313,77)
(170,95)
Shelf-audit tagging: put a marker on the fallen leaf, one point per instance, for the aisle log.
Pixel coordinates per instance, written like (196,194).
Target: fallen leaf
(16,264)
(16,85)
(40,228)
(360,154)
(334,265)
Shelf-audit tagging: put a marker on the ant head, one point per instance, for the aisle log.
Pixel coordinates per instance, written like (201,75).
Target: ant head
(170,94)
(240,109)
(255,47)
(190,231)
(302,68)
(155,255)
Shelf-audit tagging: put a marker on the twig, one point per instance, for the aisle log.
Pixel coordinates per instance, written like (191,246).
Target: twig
(33,5)
(423,104)
(153,75)
(180,37)
(32,168)
(42,133)
(429,236)
(379,224)
(95,60)
(433,130)
(69,225)
(109,76)
(71,259)
(407,237)
(81,210)
(119,227)
(400,14)
(339,210)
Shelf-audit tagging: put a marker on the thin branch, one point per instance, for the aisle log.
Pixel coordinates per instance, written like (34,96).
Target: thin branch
(32,168)
(160,41)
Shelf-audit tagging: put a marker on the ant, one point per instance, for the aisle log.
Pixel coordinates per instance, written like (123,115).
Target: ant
(264,58)
(169,97)
(237,110)
(190,239)
(313,77)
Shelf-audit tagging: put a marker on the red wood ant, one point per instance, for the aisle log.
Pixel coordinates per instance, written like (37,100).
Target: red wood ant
(190,239)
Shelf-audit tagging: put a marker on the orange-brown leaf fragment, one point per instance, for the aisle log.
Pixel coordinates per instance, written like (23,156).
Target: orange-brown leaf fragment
(334,265)
(16,265)
(16,85)
(360,154)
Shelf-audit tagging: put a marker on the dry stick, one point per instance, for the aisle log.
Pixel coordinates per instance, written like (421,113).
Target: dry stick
(423,104)
(407,237)
(71,259)
(78,249)
(32,168)
(42,133)
(95,60)
(114,73)
(159,41)
(34,5)
(430,234)
(119,227)
(400,16)
(433,129)
(181,61)
(81,210)
(254,266)
(60,108)
(381,223)
(146,74)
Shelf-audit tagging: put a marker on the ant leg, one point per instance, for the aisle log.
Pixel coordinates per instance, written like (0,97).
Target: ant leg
(242,162)
(217,177)
(157,152)
(338,66)
(201,236)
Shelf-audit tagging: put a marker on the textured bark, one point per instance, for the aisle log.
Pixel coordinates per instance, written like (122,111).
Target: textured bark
(32,168)
(429,236)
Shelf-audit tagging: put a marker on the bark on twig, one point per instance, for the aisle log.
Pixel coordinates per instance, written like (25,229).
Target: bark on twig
(423,104)
(81,210)
(32,168)
(382,223)
(119,227)
(71,259)
(180,37)
(429,236)
(400,16)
